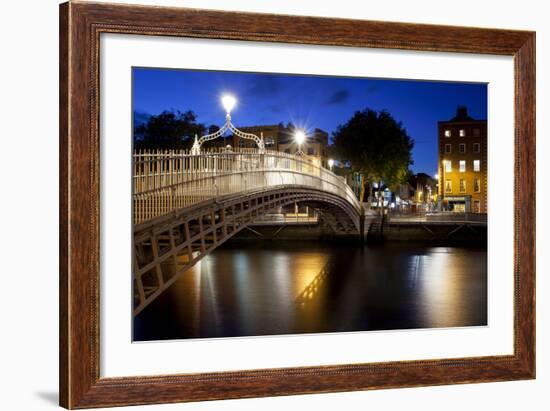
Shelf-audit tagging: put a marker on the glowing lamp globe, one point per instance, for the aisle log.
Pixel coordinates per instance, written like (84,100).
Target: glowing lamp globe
(300,137)
(228,102)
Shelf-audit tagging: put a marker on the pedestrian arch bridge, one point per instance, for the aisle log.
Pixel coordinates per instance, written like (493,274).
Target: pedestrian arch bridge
(185,205)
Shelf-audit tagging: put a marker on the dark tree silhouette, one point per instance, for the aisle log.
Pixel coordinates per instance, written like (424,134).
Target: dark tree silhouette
(375,145)
(168,130)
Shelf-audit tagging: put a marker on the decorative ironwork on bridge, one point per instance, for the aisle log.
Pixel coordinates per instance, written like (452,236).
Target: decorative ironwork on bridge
(228,103)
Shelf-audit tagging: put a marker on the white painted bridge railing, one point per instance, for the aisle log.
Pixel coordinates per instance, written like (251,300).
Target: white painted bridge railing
(167,180)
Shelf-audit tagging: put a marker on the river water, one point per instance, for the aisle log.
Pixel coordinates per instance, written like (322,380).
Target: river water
(245,289)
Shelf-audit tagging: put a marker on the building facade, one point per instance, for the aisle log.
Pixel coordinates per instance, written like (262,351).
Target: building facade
(315,146)
(462,164)
(281,138)
(272,134)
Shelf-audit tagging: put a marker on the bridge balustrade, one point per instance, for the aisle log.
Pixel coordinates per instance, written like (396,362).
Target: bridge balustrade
(168,180)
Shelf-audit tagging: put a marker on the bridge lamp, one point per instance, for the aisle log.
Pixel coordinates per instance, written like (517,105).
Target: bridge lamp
(330,163)
(228,102)
(436,176)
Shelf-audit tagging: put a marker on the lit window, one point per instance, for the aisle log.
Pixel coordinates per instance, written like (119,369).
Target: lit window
(448,166)
(462,148)
(448,186)
(476,165)
(476,147)
(476,132)
(462,185)
(462,133)
(462,166)
(269,142)
(447,148)
(477,185)
(447,133)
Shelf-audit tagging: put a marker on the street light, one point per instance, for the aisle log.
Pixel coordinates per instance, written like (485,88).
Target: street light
(300,138)
(330,163)
(228,102)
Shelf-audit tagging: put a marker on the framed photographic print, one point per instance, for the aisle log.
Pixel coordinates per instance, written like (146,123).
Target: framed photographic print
(257,205)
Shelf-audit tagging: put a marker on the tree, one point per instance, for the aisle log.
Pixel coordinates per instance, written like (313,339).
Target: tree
(168,130)
(376,146)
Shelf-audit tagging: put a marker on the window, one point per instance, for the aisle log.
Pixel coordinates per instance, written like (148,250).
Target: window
(462,187)
(287,150)
(447,148)
(477,185)
(242,143)
(448,186)
(477,132)
(462,166)
(447,133)
(269,142)
(477,206)
(462,148)
(310,151)
(448,166)
(462,133)
(476,165)
(476,147)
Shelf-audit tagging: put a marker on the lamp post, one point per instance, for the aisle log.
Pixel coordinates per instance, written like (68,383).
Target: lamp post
(330,163)
(300,138)
(228,102)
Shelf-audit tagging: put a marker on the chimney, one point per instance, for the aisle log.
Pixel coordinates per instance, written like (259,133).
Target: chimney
(462,112)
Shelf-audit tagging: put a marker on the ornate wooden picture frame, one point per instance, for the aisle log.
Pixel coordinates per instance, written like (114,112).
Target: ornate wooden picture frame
(81,25)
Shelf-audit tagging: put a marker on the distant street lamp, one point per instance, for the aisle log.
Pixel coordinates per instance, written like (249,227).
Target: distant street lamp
(228,102)
(330,163)
(300,138)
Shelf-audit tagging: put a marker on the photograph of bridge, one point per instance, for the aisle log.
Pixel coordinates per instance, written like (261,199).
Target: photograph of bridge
(276,204)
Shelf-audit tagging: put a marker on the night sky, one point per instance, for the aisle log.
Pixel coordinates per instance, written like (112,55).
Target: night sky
(309,101)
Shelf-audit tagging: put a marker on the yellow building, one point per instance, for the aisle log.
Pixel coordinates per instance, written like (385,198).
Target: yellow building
(462,163)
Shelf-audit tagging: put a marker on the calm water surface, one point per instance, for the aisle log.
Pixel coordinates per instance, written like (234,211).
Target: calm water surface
(269,288)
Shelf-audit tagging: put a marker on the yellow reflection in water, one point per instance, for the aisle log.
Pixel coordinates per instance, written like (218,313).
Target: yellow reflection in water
(306,268)
(442,287)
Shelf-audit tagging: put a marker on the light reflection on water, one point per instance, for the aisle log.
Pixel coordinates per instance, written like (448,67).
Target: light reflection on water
(309,288)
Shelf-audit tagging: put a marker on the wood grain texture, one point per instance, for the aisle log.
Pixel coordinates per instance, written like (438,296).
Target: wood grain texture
(63,205)
(80,27)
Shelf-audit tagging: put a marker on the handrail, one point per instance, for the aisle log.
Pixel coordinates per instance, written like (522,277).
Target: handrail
(166,180)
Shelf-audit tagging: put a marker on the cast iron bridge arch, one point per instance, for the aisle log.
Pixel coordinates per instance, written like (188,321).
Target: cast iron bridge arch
(185,205)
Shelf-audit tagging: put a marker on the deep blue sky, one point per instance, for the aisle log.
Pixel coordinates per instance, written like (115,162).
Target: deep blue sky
(309,101)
